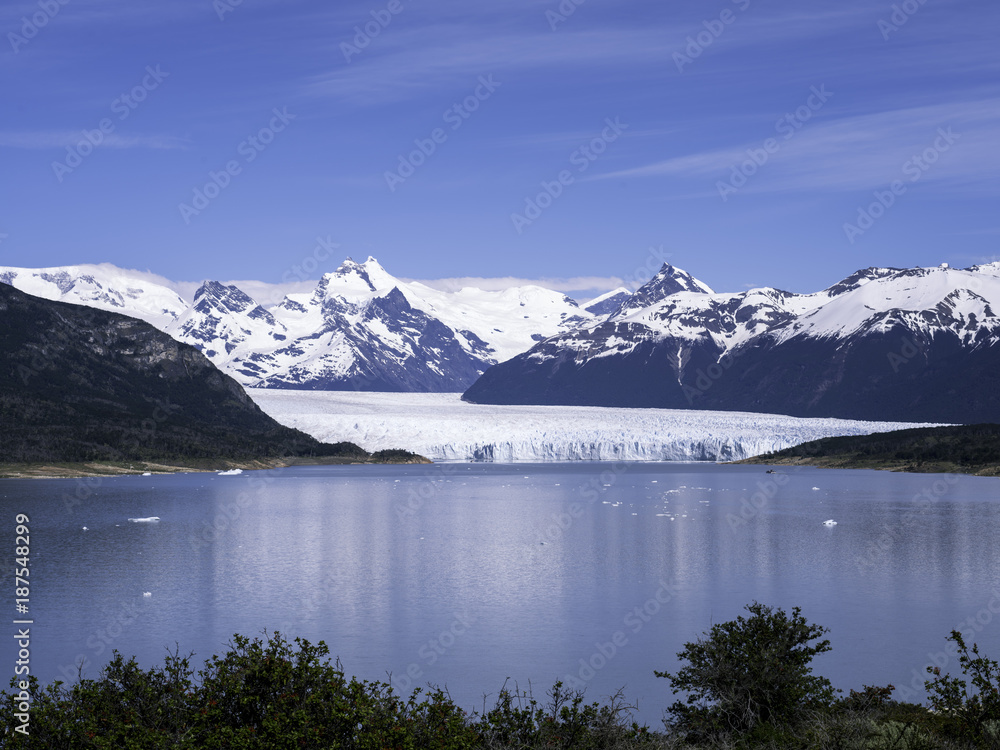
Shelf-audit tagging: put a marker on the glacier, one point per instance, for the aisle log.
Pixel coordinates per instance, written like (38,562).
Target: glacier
(442,427)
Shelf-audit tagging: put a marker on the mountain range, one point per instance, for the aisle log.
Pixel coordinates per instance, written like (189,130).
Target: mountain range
(919,344)
(359,329)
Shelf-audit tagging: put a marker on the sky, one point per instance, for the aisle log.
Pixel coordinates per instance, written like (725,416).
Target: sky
(578,144)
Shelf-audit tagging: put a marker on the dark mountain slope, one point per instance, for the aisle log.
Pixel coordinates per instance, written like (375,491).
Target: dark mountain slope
(919,345)
(80,384)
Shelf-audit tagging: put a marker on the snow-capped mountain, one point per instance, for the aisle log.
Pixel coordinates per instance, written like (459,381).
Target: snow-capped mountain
(103,286)
(609,302)
(359,329)
(901,344)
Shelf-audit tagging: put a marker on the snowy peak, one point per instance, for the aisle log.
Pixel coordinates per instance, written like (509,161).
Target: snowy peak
(224,320)
(918,343)
(669,280)
(213,296)
(102,286)
(609,302)
(859,279)
(928,300)
(349,280)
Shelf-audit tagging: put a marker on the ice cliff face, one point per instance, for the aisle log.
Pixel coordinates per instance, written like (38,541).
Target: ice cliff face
(444,428)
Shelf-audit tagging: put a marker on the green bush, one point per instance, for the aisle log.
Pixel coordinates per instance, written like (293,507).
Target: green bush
(272,695)
(971,714)
(748,685)
(518,721)
(749,672)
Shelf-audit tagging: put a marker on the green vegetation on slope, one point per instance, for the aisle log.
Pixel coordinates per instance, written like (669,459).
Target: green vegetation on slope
(969,449)
(83,385)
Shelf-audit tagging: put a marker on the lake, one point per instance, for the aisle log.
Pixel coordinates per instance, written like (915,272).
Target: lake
(467,574)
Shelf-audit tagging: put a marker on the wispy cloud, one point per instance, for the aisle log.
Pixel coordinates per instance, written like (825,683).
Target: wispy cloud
(855,152)
(415,61)
(54,139)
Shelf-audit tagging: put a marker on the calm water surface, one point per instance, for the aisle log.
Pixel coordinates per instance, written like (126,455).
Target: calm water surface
(465,575)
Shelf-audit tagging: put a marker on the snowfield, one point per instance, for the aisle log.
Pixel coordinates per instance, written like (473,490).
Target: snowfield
(442,427)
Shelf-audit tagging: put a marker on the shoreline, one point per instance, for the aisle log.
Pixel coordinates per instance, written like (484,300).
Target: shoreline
(905,467)
(83,469)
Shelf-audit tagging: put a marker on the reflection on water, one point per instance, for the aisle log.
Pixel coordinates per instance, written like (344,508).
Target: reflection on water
(468,574)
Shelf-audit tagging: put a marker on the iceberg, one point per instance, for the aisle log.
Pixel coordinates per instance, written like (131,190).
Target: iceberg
(151,519)
(230,473)
(442,427)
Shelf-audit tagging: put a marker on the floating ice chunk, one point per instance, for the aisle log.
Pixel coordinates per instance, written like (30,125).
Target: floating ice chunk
(147,594)
(230,473)
(815,488)
(830,522)
(85,528)
(147,473)
(151,519)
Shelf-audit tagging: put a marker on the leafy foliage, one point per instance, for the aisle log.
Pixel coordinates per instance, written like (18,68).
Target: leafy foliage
(970,714)
(271,694)
(749,682)
(749,672)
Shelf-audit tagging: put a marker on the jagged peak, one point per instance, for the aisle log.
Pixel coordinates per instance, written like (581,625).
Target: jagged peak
(668,280)
(860,278)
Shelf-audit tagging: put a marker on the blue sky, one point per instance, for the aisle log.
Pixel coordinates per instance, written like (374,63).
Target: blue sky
(576,144)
